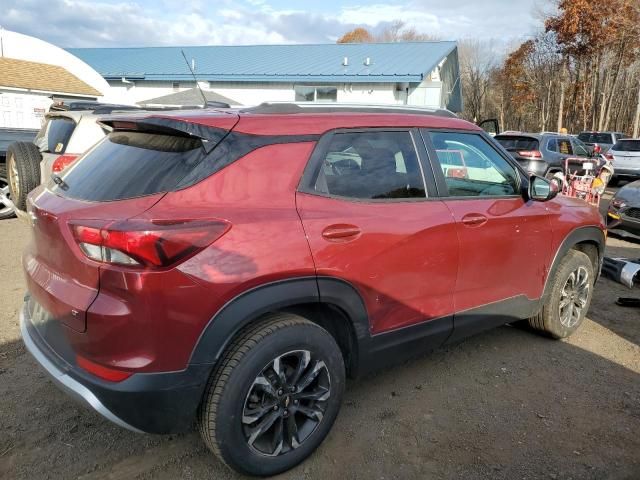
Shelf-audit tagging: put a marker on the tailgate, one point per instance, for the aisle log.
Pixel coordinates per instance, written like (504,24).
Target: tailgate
(59,277)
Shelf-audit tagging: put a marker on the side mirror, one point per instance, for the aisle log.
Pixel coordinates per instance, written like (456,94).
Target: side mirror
(541,189)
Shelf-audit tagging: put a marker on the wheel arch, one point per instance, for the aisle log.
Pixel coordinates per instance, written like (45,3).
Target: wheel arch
(589,240)
(331,303)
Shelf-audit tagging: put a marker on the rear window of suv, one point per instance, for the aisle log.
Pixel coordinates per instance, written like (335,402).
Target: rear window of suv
(55,135)
(513,143)
(592,137)
(131,164)
(627,146)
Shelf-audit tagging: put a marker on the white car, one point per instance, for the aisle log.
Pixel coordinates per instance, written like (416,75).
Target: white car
(625,155)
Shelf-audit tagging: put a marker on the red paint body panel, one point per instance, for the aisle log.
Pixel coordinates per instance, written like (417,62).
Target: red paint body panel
(164,313)
(504,257)
(306,124)
(403,262)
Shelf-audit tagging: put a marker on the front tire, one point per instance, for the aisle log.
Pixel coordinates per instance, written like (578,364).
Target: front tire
(274,395)
(569,297)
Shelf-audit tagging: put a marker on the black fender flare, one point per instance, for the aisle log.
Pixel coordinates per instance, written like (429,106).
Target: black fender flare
(579,235)
(258,301)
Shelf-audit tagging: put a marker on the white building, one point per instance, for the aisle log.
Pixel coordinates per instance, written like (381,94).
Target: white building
(415,73)
(33,73)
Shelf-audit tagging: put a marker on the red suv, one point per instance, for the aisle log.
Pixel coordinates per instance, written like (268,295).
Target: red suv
(231,268)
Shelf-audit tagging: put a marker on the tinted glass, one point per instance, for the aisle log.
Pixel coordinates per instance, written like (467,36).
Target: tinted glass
(564,146)
(371,165)
(472,167)
(305,94)
(131,164)
(580,148)
(627,146)
(514,143)
(592,137)
(56,135)
(326,94)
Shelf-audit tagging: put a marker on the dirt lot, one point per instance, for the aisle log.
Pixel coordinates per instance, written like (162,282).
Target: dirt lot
(505,404)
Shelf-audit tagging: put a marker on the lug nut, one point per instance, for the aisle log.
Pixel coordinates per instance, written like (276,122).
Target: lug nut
(292,389)
(295,402)
(275,408)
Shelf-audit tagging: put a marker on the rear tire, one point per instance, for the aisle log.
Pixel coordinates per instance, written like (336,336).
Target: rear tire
(5,210)
(23,170)
(569,297)
(273,396)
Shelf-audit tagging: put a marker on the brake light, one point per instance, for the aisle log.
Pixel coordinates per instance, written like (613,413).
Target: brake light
(62,162)
(530,153)
(106,373)
(609,157)
(146,243)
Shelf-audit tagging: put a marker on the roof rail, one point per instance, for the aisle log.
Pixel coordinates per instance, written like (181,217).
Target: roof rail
(310,107)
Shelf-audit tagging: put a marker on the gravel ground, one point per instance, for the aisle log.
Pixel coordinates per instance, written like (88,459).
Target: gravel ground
(505,404)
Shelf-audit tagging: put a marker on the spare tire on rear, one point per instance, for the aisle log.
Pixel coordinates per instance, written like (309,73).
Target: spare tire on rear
(6,210)
(23,171)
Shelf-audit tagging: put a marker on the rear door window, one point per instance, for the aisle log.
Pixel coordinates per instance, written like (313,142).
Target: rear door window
(564,146)
(54,137)
(627,146)
(471,167)
(514,143)
(594,137)
(371,165)
(131,164)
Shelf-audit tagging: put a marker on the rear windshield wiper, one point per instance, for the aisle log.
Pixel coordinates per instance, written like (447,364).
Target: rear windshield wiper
(59,181)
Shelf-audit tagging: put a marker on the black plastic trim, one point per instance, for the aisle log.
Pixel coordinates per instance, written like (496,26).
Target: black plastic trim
(579,235)
(247,307)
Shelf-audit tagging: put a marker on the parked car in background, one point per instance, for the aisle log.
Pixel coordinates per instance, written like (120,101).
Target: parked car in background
(231,268)
(604,140)
(625,155)
(542,154)
(67,132)
(623,217)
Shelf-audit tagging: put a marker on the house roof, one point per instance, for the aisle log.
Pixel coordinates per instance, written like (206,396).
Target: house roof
(191,96)
(16,73)
(389,62)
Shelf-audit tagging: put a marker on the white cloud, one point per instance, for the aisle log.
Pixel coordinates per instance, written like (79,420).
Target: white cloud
(86,23)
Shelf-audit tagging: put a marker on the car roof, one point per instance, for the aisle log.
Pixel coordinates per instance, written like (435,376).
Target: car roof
(290,119)
(537,136)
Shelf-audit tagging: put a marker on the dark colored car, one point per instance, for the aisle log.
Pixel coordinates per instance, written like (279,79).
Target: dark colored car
(542,153)
(624,211)
(232,268)
(604,140)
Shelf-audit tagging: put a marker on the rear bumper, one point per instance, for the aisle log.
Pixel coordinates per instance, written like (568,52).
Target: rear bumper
(145,402)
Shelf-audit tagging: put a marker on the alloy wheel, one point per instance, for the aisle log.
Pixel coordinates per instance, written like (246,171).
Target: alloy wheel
(14,177)
(574,297)
(286,403)
(5,192)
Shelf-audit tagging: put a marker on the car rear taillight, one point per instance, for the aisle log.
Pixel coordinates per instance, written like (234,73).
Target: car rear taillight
(62,162)
(105,373)
(609,157)
(530,153)
(146,243)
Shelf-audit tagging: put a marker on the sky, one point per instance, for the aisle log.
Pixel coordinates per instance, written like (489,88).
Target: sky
(103,23)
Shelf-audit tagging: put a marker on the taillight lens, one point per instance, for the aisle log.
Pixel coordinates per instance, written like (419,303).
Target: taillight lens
(106,373)
(530,153)
(62,162)
(609,157)
(146,243)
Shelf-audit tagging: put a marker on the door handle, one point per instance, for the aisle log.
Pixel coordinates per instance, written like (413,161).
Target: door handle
(341,233)
(474,220)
